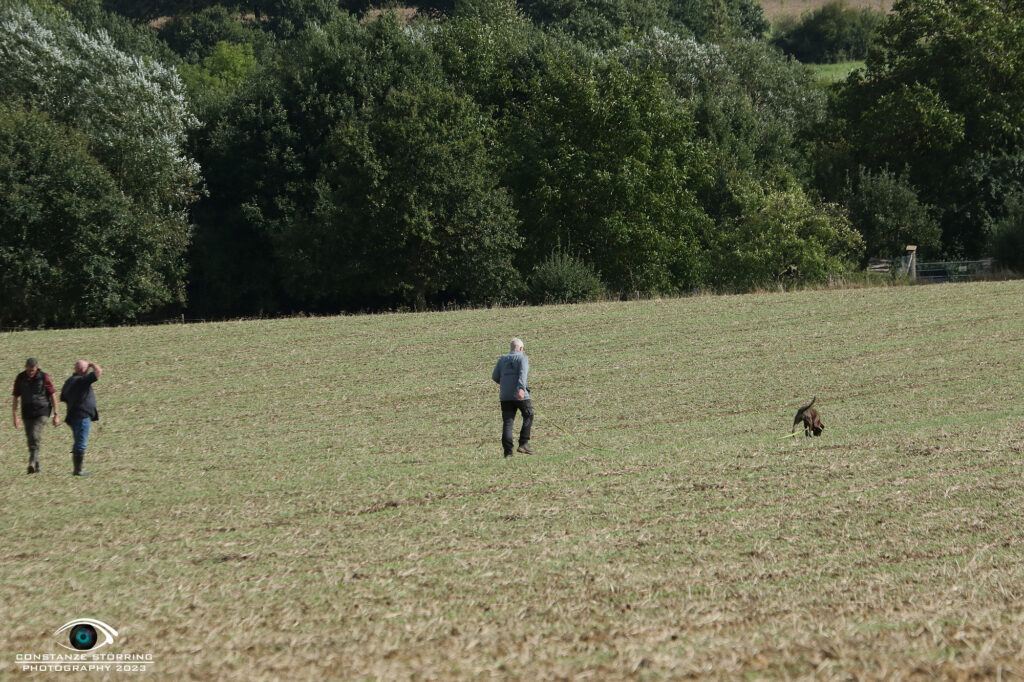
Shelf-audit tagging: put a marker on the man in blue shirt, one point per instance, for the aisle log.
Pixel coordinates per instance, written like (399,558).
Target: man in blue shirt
(510,374)
(81,399)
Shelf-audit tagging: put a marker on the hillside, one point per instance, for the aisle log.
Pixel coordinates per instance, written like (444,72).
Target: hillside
(774,9)
(301,498)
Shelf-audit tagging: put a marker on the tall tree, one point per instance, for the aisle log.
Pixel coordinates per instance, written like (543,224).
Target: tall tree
(366,179)
(132,116)
(603,164)
(943,95)
(74,250)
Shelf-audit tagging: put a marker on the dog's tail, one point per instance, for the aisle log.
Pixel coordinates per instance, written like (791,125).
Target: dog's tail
(808,405)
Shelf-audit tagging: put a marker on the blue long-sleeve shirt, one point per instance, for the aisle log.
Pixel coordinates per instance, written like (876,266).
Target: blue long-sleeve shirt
(510,374)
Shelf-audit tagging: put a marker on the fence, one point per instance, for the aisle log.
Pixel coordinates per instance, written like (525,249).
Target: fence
(933,273)
(899,266)
(953,271)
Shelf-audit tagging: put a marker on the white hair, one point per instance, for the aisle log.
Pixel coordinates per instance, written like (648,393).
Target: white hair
(515,344)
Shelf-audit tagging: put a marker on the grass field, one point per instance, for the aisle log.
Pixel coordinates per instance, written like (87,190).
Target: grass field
(827,74)
(307,498)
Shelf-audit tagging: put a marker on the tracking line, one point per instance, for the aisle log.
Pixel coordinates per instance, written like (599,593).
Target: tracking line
(573,436)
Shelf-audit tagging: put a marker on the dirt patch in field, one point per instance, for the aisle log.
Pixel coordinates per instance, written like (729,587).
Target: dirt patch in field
(773,9)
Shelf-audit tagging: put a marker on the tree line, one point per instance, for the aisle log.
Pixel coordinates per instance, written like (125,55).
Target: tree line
(276,156)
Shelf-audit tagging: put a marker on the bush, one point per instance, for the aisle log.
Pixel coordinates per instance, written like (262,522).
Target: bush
(560,278)
(832,33)
(779,233)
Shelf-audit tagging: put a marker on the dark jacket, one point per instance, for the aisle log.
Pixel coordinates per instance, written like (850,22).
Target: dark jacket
(35,394)
(78,394)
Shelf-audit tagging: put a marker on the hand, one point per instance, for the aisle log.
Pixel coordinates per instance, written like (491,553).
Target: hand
(522,394)
(17,424)
(56,420)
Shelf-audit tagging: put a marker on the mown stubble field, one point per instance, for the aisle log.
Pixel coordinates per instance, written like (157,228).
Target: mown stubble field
(774,9)
(325,498)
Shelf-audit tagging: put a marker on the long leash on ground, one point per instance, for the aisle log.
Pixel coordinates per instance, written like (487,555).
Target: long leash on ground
(788,435)
(573,436)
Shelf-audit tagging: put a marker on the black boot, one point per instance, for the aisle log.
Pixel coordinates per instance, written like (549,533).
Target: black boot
(33,463)
(77,458)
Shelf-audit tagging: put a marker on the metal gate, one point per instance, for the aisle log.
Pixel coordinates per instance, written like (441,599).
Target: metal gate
(953,271)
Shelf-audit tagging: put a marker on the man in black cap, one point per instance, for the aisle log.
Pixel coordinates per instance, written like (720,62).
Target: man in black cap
(34,388)
(78,394)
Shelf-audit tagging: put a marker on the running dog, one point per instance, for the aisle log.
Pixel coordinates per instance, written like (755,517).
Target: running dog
(809,416)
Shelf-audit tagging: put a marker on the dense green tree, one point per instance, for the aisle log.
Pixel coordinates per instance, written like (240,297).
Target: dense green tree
(132,110)
(133,116)
(598,23)
(1008,234)
(493,53)
(607,23)
(365,162)
(127,35)
(942,94)
(195,37)
(603,164)
(151,9)
(755,107)
(409,207)
(74,250)
(212,83)
(366,179)
(286,19)
(885,209)
(719,20)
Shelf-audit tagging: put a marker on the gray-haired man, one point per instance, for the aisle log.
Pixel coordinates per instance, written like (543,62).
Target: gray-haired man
(510,374)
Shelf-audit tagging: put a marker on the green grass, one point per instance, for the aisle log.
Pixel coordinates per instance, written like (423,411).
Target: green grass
(303,498)
(827,74)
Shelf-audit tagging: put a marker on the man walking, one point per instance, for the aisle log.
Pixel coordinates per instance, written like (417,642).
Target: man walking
(34,388)
(78,394)
(510,374)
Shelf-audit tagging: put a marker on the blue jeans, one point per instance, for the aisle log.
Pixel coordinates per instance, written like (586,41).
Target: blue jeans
(80,429)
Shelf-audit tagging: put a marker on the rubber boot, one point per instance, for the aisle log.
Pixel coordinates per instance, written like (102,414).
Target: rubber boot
(33,462)
(77,458)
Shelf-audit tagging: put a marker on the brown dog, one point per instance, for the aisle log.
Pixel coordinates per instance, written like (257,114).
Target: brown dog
(809,416)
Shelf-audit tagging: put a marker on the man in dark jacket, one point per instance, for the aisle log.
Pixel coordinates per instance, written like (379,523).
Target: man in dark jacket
(78,394)
(510,373)
(34,388)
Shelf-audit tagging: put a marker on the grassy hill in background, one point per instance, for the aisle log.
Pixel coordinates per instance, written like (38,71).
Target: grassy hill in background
(828,74)
(301,498)
(773,9)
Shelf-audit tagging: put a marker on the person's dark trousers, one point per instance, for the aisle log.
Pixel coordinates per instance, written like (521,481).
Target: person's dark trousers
(34,427)
(508,419)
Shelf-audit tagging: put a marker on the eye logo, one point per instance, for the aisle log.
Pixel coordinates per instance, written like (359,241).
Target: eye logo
(84,634)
